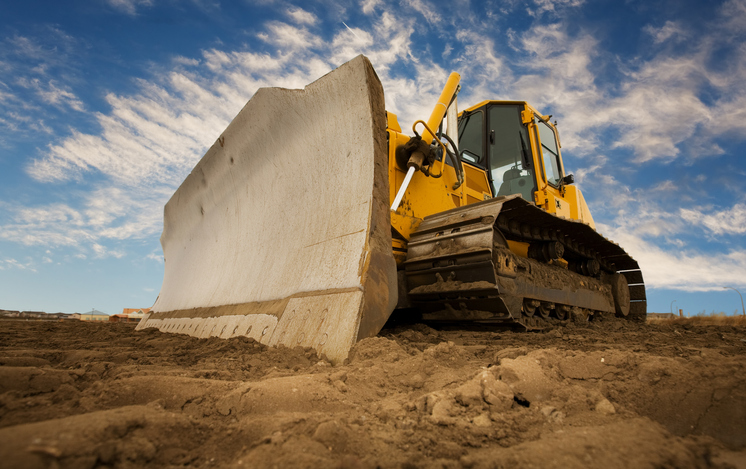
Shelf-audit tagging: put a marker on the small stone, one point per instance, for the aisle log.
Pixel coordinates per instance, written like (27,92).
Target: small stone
(605,407)
(340,386)
(482,420)
(339,376)
(547,410)
(417,381)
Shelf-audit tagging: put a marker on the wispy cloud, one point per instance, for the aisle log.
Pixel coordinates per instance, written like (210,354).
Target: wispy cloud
(426,9)
(129,7)
(368,6)
(10,263)
(51,93)
(301,16)
(728,221)
(669,30)
(37,74)
(289,37)
(552,6)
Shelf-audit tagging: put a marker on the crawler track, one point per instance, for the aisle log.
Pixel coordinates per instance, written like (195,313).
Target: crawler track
(459,267)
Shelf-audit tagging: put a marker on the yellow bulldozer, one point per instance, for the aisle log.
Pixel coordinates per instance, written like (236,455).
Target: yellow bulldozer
(314,216)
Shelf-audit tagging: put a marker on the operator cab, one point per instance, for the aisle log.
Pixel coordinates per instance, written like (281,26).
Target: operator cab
(493,136)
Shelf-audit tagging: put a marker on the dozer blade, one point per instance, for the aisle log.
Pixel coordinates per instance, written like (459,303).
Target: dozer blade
(281,232)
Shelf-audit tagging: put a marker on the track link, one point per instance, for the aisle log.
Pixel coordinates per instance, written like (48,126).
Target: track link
(459,267)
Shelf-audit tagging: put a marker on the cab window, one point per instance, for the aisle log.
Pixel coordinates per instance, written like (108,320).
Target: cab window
(550,153)
(510,160)
(471,138)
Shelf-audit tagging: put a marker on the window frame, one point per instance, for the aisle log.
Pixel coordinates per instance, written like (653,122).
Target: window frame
(484,157)
(540,155)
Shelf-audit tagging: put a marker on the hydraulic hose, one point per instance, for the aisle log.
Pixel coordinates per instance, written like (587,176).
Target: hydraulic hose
(455,157)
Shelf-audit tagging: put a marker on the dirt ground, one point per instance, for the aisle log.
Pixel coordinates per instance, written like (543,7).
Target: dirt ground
(607,394)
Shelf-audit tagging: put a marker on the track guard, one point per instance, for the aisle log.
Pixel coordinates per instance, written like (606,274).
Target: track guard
(281,232)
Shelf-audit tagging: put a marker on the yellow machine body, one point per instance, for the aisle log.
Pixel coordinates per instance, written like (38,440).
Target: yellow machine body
(427,196)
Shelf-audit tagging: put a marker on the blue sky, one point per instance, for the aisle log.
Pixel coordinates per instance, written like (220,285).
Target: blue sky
(106,105)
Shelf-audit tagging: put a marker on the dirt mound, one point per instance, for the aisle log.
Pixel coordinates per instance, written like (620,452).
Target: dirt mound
(606,394)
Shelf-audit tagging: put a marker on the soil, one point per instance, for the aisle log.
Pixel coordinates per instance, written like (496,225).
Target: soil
(605,394)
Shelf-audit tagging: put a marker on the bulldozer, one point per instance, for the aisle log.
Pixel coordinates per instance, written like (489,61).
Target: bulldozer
(313,217)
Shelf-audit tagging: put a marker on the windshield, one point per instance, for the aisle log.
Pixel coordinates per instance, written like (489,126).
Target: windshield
(510,160)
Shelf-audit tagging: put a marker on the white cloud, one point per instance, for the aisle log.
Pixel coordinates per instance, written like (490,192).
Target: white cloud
(551,6)
(301,16)
(6,264)
(102,252)
(733,13)
(729,221)
(427,10)
(155,256)
(53,94)
(289,37)
(129,6)
(670,29)
(369,5)
(38,76)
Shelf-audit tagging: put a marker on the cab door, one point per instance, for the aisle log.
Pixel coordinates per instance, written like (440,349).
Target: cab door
(551,189)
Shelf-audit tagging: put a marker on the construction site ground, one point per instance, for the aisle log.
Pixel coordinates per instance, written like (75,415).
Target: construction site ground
(609,394)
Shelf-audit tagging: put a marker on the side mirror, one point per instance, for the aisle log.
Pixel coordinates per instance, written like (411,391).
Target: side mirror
(569,179)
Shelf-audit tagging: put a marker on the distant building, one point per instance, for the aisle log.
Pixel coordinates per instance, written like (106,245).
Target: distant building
(8,313)
(130,315)
(92,315)
(33,314)
(60,316)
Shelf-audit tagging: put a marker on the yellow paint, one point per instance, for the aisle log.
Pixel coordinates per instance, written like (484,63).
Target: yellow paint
(427,195)
(578,208)
(439,111)
(518,248)
(476,186)
(392,122)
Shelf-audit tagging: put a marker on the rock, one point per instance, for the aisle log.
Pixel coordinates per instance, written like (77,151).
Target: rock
(511,352)
(469,394)
(332,435)
(605,407)
(496,393)
(484,389)
(439,406)
(482,420)
(340,386)
(339,376)
(526,377)
(417,381)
